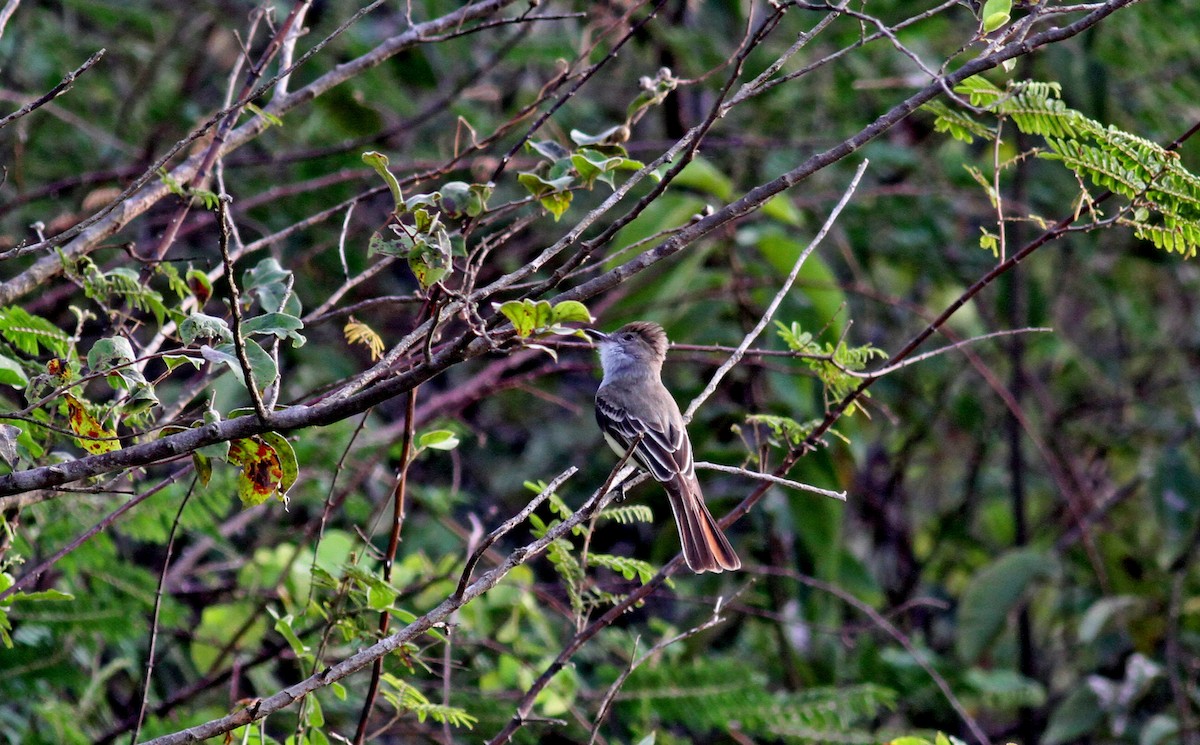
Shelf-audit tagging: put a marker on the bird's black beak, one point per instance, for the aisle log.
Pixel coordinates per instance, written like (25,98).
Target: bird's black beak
(597,335)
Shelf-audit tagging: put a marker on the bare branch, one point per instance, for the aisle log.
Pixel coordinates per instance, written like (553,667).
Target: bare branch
(359,660)
(606,703)
(797,485)
(235,304)
(784,289)
(53,93)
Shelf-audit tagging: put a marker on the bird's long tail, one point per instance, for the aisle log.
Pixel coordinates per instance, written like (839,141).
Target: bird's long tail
(705,547)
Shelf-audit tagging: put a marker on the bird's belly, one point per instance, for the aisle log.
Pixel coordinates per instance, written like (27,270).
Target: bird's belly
(617,447)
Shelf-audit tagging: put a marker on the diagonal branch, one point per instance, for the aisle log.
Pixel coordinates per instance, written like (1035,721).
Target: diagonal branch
(464,348)
(362,659)
(53,93)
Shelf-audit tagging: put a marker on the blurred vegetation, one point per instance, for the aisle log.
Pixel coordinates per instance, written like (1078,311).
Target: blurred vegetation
(1016,553)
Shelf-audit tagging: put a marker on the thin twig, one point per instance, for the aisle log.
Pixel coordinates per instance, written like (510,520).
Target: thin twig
(611,695)
(33,574)
(389,559)
(63,86)
(216,145)
(507,526)
(235,303)
(784,289)
(887,369)
(757,476)
(158,595)
(9,8)
(454,352)
(361,659)
(181,173)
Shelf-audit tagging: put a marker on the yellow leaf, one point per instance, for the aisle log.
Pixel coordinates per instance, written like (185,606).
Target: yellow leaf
(88,429)
(358,332)
(262,471)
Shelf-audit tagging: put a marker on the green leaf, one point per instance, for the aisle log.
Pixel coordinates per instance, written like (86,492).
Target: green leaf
(1159,729)
(529,317)
(39,596)
(549,149)
(592,164)
(269,282)
(1079,714)
(556,204)
(315,717)
(438,439)
(609,137)
(380,162)
(992,594)
(270,118)
(525,315)
(284,626)
(396,245)
(203,466)
(780,208)
(996,13)
(539,186)
(458,198)
(202,326)
(1098,615)
(281,325)
(571,311)
(262,365)
(109,352)
(11,373)
(287,461)
(380,596)
(702,175)
(173,361)
(629,567)
(8,443)
(430,259)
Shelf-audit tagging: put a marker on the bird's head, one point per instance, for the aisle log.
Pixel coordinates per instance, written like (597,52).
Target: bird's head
(634,346)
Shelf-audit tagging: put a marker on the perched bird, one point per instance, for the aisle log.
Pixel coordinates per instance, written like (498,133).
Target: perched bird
(631,402)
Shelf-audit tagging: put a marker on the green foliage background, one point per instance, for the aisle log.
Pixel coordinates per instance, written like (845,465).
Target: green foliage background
(1042,565)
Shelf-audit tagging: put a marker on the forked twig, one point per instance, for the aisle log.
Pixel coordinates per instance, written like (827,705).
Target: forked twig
(507,527)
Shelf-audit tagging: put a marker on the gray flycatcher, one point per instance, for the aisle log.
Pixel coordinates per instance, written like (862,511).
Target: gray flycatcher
(631,402)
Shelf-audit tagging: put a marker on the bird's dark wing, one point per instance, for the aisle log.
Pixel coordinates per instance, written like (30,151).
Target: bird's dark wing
(664,449)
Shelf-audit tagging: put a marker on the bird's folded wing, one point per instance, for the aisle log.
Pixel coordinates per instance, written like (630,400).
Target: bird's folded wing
(664,449)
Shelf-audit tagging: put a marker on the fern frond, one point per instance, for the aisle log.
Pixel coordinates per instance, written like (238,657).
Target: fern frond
(175,280)
(958,124)
(1143,172)
(123,283)
(789,430)
(29,333)
(1048,117)
(629,513)
(626,566)
(707,694)
(1100,166)
(568,567)
(1171,236)
(407,698)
